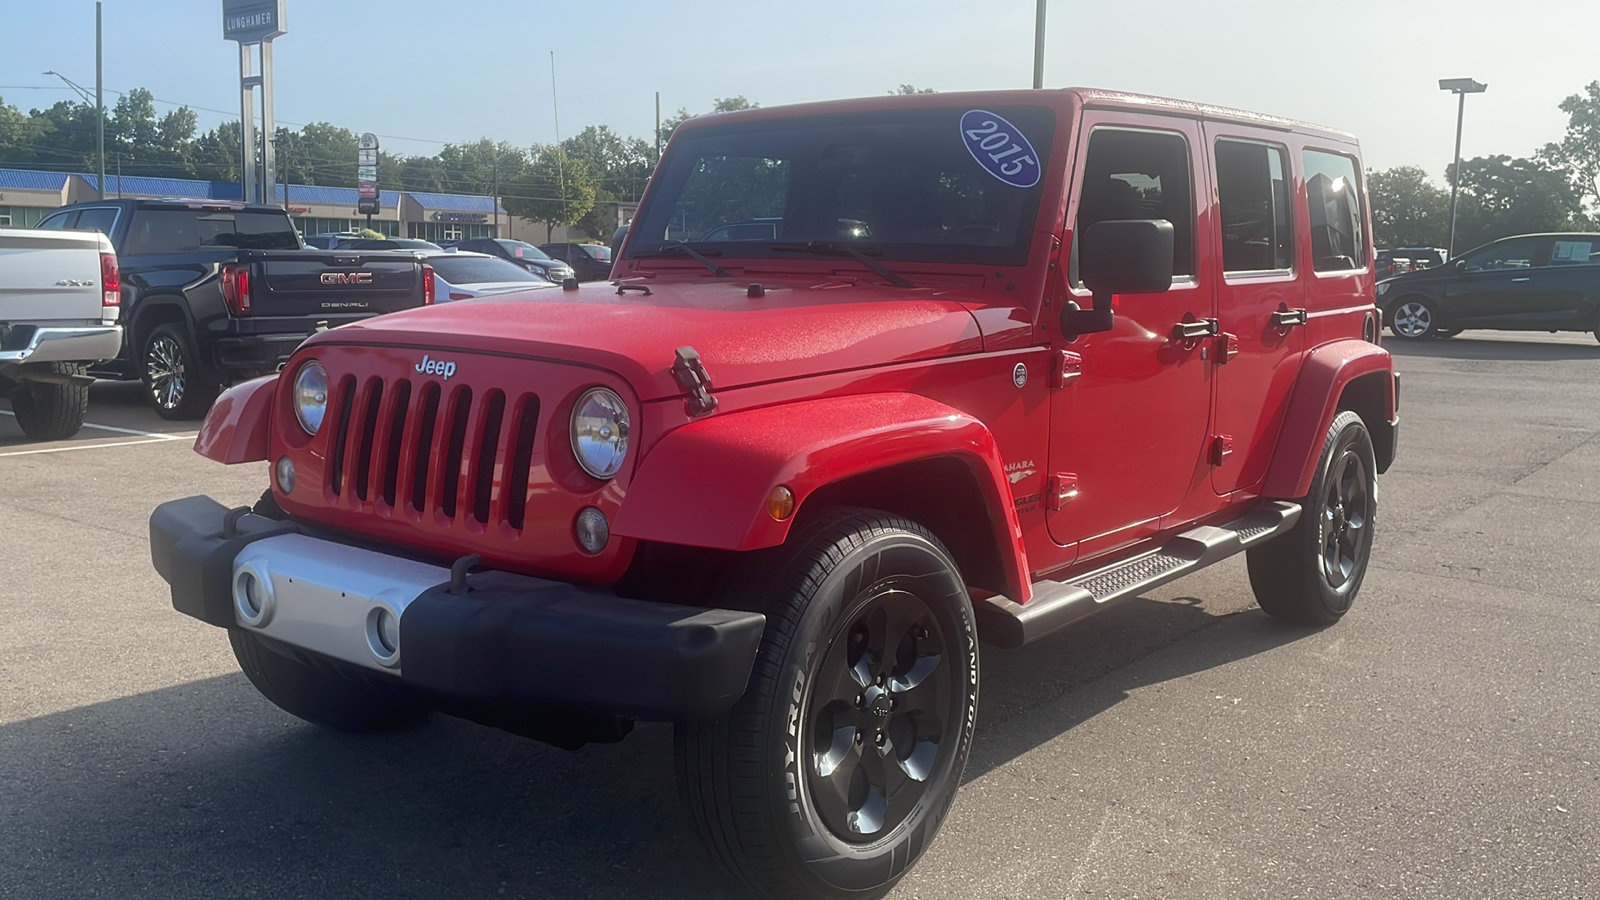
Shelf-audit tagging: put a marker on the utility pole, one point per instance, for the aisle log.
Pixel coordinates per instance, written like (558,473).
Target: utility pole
(1461,87)
(100,105)
(494,191)
(658,128)
(1038,48)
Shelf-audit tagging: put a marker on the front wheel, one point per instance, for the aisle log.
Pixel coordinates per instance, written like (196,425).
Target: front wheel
(833,773)
(1414,319)
(1310,575)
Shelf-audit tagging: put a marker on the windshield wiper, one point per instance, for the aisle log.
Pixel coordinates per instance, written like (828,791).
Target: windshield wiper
(829,248)
(686,250)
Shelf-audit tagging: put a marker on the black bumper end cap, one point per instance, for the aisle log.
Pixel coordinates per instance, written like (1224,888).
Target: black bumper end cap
(190,550)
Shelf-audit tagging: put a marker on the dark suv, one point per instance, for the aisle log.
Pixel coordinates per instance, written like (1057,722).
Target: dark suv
(523,254)
(1527,282)
(592,262)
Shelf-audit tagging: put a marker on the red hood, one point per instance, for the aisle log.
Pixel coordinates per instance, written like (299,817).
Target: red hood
(797,329)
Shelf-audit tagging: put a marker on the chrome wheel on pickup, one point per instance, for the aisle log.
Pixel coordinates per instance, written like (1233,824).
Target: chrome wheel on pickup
(835,770)
(172,376)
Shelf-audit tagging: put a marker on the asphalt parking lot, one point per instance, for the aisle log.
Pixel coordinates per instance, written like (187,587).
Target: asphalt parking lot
(1441,742)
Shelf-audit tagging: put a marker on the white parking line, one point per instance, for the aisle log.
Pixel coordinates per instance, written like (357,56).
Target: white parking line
(86,447)
(150,434)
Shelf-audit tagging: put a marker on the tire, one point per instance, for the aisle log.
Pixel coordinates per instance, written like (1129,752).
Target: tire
(801,789)
(331,694)
(1446,333)
(1414,319)
(51,412)
(172,376)
(1311,574)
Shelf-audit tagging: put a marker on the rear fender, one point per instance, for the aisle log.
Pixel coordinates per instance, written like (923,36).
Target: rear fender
(1324,374)
(705,484)
(236,428)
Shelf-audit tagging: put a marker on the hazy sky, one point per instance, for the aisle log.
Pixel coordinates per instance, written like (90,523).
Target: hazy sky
(458,70)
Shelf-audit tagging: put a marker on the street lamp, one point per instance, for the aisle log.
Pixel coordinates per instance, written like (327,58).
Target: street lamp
(100,124)
(1461,87)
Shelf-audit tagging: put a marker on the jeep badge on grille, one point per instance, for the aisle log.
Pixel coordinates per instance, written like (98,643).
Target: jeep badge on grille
(436,367)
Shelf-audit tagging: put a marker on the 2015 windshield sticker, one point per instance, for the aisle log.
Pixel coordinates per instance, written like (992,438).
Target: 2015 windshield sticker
(1000,148)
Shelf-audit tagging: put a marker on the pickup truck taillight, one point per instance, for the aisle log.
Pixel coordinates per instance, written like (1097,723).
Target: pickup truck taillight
(427,285)
(236,288)
(110,289)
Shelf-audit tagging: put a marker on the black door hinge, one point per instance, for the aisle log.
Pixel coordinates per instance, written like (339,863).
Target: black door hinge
(695,380)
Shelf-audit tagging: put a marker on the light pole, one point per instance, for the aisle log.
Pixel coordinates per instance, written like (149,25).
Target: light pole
(100,125)
(1461,87)
(1038,46)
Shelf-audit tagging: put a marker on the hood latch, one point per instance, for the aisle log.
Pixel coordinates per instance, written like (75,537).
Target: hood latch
(693,378)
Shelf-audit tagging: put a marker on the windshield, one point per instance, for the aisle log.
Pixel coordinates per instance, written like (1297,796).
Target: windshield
(522,250)
(939,185)
(479,270)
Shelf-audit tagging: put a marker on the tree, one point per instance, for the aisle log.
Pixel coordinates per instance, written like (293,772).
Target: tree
(556,189)
(621,165)
(1579,150)
(1501,196)
(1408,210)
(905,89)
(720,105)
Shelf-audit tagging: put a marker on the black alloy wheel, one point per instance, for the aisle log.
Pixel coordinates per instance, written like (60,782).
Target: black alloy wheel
(1311,574)
(880,713)
(834,771)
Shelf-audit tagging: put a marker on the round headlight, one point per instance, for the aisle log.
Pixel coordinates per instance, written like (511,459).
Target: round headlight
(310,395)
(600,432)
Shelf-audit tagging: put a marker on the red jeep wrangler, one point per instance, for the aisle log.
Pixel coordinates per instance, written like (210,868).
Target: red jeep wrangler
(951,368)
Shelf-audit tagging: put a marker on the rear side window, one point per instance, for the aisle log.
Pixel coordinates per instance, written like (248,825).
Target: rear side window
(598,251)
(181,230)
(1139,175)
(479,270)
(99,219)
(1334,198)
(59,221)
(1574,252)
(1255,216)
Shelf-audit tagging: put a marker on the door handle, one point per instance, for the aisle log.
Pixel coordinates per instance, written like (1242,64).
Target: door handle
(1283,318)
(1520,280)
(1189,331)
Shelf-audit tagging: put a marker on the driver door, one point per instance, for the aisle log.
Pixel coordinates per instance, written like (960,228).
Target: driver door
(1131,411)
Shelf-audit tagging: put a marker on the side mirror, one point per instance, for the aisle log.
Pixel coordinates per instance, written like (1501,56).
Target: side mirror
(1458,266)
(1119,256)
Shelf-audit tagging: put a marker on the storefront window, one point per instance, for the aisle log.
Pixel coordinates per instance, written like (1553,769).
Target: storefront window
(20,216)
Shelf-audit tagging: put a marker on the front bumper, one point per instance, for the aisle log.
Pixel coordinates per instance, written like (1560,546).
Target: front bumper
(89,343)
(507,639)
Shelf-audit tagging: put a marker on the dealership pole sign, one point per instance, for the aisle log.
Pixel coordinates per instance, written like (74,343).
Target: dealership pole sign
(254,23)
(367,175)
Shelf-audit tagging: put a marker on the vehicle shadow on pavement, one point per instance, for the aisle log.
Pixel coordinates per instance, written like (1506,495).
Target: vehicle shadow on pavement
(1477,348)
(205,790)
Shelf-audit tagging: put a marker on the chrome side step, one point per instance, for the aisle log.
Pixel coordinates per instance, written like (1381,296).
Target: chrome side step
(1056,604)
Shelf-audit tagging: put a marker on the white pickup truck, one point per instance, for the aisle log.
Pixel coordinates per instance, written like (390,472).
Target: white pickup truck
(60,297)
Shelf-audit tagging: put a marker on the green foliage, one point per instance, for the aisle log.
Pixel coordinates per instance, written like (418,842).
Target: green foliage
(556,188)
(720,105)
(905,89)
(1408,210)
(1502,196)
(1579,150)
(371,233)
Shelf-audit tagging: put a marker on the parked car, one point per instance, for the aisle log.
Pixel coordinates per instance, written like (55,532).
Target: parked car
(1424,257)
(330,239)
(1528,282)
(523,254)
(779,494)
(592,262)
(60,301)
(461,275)
(387,244)
(217,291)
(1389,263)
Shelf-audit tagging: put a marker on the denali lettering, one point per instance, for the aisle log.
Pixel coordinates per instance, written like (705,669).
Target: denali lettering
(436,367)
(346,277)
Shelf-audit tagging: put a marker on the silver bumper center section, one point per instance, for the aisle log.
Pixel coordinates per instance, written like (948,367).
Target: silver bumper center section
(340,601)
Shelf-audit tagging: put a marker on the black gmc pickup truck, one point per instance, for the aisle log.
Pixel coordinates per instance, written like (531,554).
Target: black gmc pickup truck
(215,291)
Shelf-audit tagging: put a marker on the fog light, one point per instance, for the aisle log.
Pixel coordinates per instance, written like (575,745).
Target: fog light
(383,635)
(780,503)
(252,597)
(592,530)
(284,472)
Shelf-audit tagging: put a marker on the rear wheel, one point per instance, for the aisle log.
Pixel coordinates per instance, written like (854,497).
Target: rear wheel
(329,693)
(1311,574)
(170,369)
(1414,319)
(51,412)
(834,771)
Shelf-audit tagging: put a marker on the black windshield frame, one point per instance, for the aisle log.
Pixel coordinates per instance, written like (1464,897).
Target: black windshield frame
(922,148)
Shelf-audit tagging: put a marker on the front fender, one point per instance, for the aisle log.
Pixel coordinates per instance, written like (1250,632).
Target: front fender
(1324,373)
(236,428)
(705,484)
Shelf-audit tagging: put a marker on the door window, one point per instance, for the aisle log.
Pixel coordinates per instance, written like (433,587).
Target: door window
(59,220)
(100,219)
(1515,253)
(1255,207)
(1574,252)
(1334,198)
(1138,175)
